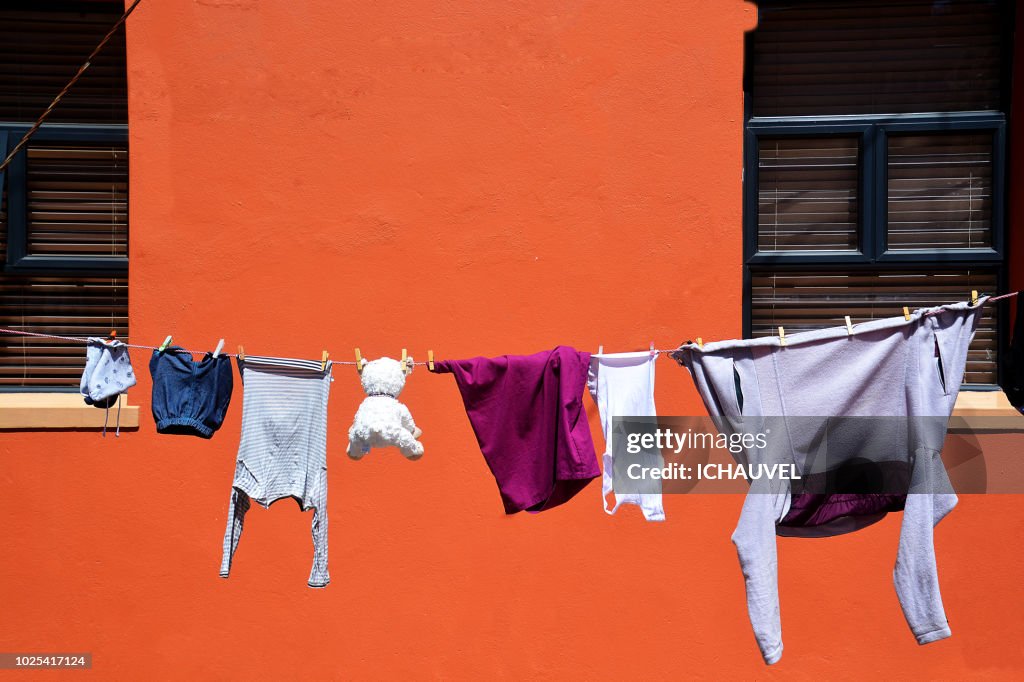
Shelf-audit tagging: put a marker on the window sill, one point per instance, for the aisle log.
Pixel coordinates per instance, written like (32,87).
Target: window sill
(60,411)
(984,411)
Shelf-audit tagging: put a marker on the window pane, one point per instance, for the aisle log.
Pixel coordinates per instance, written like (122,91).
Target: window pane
(940,191)
(41,47)
(877,57)
(807,194)
(811,300)
(66,306)
(76,192)
(77,199)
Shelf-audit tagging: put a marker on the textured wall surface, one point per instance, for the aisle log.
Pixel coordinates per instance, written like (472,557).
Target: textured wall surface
(476,178)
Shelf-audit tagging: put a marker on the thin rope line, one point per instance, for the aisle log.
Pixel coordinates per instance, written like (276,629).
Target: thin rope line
(174,349)
(74,79)
(171,349)
(1001,297)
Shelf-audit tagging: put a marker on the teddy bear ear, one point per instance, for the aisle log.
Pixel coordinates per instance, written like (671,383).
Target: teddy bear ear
(409,366)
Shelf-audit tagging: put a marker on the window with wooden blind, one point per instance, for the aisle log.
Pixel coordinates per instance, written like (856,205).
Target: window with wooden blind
(64,207)
(874,159)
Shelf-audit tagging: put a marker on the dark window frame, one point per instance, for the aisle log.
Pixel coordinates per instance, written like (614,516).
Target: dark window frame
(872,189)
(68,125)
(872,253)
(18,259)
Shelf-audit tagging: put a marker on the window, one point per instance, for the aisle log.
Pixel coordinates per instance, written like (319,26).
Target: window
(64,209)
(874,162)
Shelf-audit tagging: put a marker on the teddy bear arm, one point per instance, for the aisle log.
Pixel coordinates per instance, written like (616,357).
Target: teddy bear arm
(408,423)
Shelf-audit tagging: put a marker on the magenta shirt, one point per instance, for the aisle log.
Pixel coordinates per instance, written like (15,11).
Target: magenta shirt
(527,413)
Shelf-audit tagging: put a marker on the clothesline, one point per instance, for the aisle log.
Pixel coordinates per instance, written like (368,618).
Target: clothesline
(175,349)
(1002,296)
(169,349)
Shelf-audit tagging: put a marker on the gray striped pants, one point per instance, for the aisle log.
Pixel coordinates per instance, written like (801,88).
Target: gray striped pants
(283,451)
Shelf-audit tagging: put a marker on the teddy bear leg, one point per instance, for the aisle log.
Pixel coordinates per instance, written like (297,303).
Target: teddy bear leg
(357,448)
(409,446)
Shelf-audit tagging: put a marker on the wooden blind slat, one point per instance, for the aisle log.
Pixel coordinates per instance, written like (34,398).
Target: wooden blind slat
(802,301)
(78,199)
(808,193)
(940,191)
(870,57)
(63,306)
(41,50)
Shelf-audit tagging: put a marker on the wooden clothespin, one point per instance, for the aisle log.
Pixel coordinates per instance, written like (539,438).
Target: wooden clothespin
(241,354)
(700,343)
(430,360)
(323,361)
(220,347)
(849,326)
(359,361)
(163,346)
(652,349)
(906,313)
(600,350)
(405,362)
(974,297)
(782,336)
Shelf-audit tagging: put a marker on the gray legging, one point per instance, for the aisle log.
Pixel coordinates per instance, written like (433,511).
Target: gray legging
(283,452)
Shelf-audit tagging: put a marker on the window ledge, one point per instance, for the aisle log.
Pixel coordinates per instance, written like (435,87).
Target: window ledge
(987,410)
(984,411)
(60,411)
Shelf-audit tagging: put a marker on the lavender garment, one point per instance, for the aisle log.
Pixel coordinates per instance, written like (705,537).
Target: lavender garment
(908,369)
(527,413)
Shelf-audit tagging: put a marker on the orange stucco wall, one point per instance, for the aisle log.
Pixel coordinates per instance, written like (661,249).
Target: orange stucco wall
(474,178)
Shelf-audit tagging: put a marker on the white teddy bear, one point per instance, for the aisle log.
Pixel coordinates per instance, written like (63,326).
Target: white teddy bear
(381,420)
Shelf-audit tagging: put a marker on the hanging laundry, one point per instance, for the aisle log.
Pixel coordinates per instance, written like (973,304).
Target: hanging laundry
(910,369)
(622,385)
(190,398)
(381,420)
(1012,381)
(283,449)
(527,413)
(108,373)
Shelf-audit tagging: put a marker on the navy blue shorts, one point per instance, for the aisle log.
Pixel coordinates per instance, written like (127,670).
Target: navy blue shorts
(190,398)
